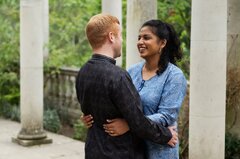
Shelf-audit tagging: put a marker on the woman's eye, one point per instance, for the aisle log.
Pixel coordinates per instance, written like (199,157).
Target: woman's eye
(146,37)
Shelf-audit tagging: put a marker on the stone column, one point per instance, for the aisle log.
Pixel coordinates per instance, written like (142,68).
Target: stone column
(113,7)
(208,79)
(45,28)
(233,67)
(31,77)
(138,11)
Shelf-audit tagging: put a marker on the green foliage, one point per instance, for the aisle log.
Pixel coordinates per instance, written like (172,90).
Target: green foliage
(15,113)
(80,131)
(232,146)
(9,56)
(9,94)
(68,45)
(184,64)
(6,110)
(51,120)
(124,17)
(178,13)
(10,112)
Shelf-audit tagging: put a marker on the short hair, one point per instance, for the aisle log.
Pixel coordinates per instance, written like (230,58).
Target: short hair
(98,28)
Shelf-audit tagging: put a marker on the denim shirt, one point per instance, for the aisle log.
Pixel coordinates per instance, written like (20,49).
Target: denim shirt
(161,96)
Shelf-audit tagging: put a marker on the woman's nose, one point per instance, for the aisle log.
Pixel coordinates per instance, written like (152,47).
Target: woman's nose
(140,41)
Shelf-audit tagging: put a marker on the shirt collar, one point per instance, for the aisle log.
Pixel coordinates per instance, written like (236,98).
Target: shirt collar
(103,57)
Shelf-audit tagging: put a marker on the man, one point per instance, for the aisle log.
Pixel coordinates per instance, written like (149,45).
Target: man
(106,92)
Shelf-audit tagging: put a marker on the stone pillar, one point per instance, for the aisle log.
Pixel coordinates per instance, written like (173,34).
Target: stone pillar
(208,79)
(113,7)
(45,28)
(31,77)
(138,11)
(233,67)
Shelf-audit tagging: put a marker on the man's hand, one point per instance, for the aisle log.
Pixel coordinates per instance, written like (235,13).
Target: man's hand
(174,139)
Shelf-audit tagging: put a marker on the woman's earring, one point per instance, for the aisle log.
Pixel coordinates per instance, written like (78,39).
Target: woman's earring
(160,51)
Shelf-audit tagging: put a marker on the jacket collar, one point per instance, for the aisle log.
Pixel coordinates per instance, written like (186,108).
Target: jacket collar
(103,57)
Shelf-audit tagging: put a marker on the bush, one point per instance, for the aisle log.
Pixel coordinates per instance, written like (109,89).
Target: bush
(51,121)
(9,56)
(6,109)
(232,146)
(80,131)
(15,113)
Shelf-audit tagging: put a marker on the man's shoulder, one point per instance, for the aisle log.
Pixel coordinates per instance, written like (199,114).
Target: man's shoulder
(120,70)
(120,73)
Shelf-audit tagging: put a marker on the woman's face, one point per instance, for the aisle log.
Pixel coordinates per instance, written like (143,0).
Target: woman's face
(149,45)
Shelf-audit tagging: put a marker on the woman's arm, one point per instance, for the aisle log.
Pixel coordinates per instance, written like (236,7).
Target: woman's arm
(87,120)
(171,100)
(119,126)
(116,127)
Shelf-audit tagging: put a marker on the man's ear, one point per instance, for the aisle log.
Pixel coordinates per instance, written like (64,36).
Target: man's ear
(111,37)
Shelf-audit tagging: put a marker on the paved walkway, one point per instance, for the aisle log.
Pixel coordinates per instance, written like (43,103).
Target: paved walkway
(61,148)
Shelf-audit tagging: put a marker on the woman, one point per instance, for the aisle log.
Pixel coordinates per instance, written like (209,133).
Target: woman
(160,83)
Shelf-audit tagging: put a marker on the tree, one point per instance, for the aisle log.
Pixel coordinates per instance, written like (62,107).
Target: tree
(68,45)
(9,55)
(178,13)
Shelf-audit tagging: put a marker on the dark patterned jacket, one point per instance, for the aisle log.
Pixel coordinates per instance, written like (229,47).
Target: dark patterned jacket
(106,92)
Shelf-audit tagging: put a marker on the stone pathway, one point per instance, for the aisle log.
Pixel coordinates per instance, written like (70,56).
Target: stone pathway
(62,147)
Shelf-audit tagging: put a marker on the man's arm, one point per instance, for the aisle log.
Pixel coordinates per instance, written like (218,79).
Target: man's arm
(126,98)
(119,126)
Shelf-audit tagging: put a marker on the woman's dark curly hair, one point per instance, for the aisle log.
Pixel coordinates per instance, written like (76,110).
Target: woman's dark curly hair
(172,52)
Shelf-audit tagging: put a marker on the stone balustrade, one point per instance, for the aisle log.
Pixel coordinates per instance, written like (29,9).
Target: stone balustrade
(60,94)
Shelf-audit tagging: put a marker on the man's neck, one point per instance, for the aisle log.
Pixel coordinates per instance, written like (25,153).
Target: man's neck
(104,51)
